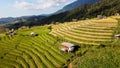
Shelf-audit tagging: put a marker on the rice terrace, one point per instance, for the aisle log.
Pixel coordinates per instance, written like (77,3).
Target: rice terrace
(60,34)
(97,45)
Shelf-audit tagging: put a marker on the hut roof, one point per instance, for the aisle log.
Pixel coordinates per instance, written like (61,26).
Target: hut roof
(68,44)
(118,35)
(32,33)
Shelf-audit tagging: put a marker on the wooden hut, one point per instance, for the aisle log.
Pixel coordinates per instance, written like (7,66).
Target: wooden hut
(117,36)
(117,14)
(74,20)
(101,17)
(33,34)
(67,47)
(11,32)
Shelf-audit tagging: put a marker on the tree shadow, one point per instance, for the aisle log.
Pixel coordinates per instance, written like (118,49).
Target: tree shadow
(76,47)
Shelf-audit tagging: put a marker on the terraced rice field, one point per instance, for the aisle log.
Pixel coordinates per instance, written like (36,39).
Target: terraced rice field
(91,33)
(31,52)
(42,51)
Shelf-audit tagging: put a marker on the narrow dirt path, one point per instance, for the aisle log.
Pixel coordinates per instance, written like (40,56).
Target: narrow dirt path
(70,65)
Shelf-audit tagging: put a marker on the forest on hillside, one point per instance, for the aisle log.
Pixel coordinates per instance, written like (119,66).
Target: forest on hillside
(103,7)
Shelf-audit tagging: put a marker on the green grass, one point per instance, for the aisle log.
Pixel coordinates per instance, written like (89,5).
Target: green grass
(99,58)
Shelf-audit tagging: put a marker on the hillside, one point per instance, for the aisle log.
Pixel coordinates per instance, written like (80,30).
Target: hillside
(6,20)
(95,39)
(24,51)
(11,20)
(101,57)
(103,7)
(75,5)
(90,32)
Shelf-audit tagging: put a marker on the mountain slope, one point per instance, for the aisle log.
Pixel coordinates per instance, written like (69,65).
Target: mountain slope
(11,20)
(103,7)
(6,20)
(76,4)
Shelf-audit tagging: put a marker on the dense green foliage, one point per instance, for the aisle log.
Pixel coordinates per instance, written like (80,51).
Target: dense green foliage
(103,7)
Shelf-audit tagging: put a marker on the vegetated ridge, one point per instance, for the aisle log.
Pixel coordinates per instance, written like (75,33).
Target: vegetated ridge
(102,7)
